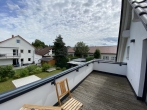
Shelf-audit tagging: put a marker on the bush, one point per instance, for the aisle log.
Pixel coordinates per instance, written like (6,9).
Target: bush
(6,72)
(62,62)
(16,76)
(37,70)
(45,67)
(89,58)
(73,58)
(31,68)
(64,68)
(4,79)
(31,73)
(58,68)
(24,72)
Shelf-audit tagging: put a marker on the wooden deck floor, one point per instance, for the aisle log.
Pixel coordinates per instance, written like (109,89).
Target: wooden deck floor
(107,92)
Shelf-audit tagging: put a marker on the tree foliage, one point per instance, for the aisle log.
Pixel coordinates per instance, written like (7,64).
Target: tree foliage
(97,53)
(81,49)
(60,52)
(39,44)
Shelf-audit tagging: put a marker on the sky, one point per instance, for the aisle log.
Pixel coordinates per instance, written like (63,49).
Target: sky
(95,22)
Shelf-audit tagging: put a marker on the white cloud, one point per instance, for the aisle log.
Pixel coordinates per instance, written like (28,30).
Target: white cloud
(89,21)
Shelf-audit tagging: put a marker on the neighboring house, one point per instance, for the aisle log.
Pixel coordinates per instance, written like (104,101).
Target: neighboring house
(132,45)
(47,54)
(17,51)
(107,52)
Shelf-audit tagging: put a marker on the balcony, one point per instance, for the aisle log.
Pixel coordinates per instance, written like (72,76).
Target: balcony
(97,84)
(9,55)
(106,92)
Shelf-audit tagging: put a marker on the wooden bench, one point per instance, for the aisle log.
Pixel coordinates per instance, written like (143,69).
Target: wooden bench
(71,104)
(37,107)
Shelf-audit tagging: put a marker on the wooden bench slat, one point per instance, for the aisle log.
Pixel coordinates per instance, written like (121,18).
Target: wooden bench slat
(72,104)
(37,107)
(68,103)
(77,106)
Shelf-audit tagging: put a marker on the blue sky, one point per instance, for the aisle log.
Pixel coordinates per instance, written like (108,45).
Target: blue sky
(95,22)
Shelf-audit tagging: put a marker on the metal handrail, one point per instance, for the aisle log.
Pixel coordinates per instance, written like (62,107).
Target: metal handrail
(5,55)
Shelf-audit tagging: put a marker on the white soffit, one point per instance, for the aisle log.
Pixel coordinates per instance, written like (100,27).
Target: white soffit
(126,33)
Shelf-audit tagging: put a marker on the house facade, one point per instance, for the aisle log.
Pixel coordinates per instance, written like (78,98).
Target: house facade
(107,52)
(132,45)
(17,51)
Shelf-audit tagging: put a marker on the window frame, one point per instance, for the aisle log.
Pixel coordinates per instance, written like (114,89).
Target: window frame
(21,51)
(17,41)
(29,51)
(105,57)
(128,52)
(29,59)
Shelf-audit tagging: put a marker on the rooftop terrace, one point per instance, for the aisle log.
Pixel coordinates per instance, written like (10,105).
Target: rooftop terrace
(98,91)
(101,91)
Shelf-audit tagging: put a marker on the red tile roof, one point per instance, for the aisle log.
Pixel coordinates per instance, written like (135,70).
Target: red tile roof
(103,49)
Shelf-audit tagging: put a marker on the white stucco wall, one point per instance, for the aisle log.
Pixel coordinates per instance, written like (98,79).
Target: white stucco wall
(6,61)
(37,58)
(135,72)
(111,68)
(21,46)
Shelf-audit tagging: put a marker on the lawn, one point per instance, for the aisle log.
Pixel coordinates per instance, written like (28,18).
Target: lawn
(8,85)
(47,74)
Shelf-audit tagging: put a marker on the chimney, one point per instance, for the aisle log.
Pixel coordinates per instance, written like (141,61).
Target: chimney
(12,36)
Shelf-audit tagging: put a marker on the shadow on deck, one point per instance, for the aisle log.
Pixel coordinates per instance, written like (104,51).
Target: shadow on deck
(103,91)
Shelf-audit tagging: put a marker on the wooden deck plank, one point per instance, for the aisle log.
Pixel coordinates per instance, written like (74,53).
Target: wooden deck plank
(103,91)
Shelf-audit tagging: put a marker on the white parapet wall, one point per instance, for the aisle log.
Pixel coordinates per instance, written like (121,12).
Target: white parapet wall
(46,94)
(111,68)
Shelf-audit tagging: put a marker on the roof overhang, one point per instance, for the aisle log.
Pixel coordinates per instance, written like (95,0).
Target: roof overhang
(125,22)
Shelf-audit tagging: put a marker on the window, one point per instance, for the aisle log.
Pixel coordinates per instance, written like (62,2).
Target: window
(128,51)
(29,59)
(113,58)
(106,57)
(21,60)
(18,41)
(21,51)
(29,51)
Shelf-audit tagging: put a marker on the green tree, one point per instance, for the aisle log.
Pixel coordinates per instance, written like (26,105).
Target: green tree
(81,49)
(39,44)
(60,52)
(97,53)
